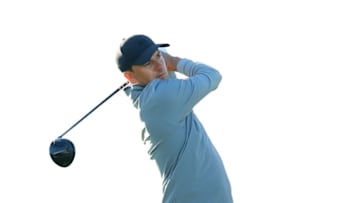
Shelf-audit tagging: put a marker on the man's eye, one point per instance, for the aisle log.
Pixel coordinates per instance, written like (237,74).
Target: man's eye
(147,63)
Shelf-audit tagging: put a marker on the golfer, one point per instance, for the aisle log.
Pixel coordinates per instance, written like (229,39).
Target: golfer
(191,168)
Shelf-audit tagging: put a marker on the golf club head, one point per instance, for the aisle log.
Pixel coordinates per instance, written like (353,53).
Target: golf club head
(62,152)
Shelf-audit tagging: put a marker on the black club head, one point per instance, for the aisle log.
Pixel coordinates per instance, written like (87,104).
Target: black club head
(62,152)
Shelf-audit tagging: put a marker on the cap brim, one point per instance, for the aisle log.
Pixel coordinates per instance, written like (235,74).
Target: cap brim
(163,45)
(146,56)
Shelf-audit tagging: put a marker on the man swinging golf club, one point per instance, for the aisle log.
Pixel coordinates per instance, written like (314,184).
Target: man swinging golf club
(189,164)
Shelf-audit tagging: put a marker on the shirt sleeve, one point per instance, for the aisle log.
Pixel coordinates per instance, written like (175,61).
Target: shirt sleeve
(179,96)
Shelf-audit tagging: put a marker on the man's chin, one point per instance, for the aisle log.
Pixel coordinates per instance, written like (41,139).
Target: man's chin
(163,76)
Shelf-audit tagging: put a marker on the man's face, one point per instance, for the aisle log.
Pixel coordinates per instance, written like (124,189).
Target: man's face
(154,68)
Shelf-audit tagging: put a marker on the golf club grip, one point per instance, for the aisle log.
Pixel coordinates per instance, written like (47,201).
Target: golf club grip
(97,106)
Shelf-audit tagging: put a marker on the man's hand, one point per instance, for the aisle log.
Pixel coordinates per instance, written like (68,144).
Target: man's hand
(171,61)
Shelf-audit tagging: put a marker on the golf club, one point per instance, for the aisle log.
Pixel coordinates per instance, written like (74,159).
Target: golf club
(62,151)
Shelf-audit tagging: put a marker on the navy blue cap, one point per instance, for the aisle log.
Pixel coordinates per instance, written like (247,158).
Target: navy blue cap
(136,50)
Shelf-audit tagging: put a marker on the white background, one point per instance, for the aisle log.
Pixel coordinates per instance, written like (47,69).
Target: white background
(285,118)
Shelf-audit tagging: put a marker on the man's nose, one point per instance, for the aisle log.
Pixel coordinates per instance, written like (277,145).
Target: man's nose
(157,65)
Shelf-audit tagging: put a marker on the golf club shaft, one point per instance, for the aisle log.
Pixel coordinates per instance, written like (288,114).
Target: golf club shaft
(97,106)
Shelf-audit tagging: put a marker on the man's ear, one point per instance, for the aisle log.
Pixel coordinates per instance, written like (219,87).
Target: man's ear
(130,77)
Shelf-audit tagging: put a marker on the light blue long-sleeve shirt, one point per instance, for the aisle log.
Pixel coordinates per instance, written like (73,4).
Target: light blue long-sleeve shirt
(190,166)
